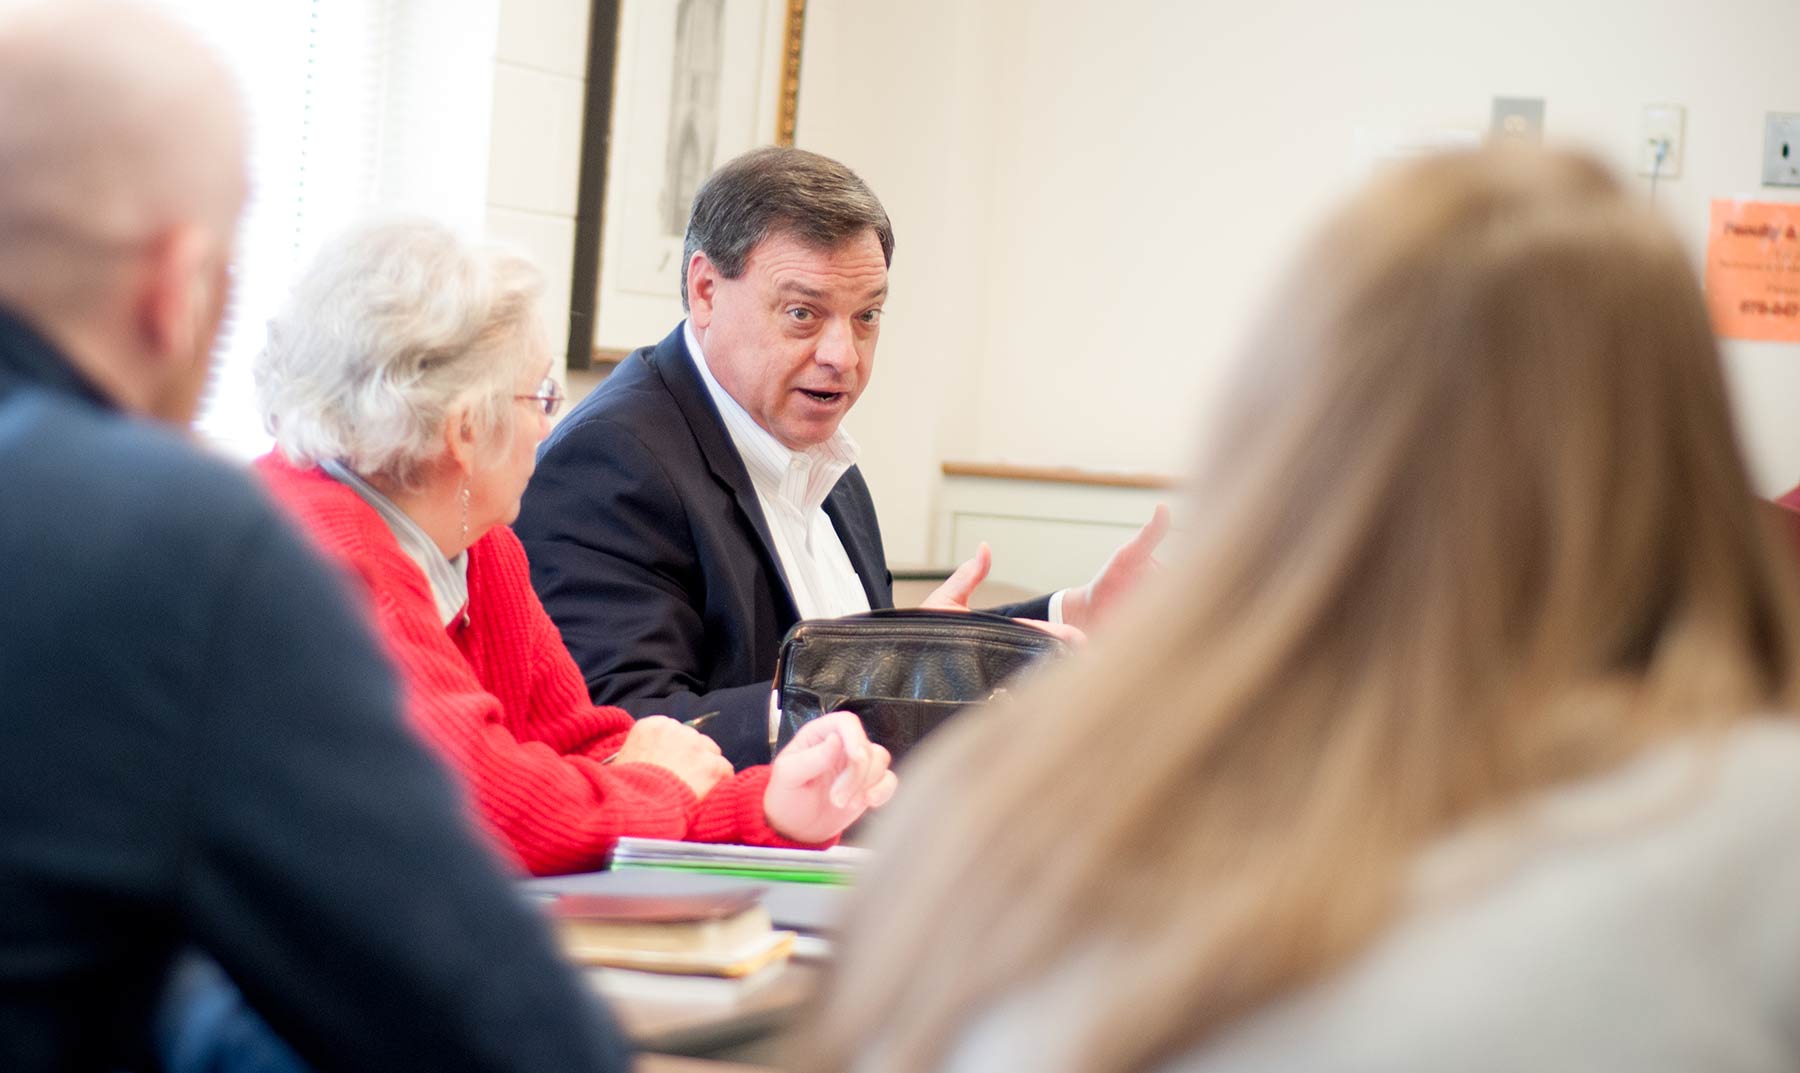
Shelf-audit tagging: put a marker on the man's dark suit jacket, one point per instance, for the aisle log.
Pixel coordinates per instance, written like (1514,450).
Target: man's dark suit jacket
(650,551)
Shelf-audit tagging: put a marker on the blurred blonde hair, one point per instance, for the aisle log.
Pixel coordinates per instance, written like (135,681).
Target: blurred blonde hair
(1477,526)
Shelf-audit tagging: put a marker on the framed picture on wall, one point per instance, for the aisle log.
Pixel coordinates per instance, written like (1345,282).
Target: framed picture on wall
(676,88)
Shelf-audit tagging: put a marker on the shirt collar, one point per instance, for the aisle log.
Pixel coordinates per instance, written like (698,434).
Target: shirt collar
(802,479)
(448,578)
(28,357)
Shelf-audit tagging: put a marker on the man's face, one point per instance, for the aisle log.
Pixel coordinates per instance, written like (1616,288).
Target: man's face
(792,339)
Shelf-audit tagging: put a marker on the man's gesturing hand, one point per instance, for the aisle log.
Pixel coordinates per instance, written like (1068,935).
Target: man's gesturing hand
(1121,574)
(954,593)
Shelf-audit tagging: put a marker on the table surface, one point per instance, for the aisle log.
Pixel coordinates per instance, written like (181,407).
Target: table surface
(713,1025)
(714,1021)
(665,1063)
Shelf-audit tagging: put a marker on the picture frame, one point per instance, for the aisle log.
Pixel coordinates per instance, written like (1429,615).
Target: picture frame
(675,88)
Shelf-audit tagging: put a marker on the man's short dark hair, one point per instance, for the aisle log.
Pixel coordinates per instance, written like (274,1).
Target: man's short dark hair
(773,190)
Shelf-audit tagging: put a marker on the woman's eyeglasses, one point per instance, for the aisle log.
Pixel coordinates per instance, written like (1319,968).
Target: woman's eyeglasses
(549,397)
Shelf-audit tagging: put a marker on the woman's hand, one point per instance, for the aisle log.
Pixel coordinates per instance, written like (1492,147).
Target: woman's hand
(690,755)
(830,774)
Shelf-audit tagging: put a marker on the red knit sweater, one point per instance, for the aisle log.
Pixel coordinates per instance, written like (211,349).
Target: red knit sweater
(499,697)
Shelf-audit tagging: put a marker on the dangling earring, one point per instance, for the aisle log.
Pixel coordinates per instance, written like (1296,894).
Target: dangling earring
(465,513)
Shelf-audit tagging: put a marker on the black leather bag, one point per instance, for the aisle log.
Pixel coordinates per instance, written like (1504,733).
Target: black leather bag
(902,671)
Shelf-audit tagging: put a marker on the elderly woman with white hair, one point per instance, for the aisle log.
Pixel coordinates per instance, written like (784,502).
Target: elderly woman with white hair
(407,387)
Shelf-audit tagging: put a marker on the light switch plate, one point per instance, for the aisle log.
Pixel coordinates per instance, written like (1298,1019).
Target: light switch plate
(1781,149)
(1517,120)
(1663,128)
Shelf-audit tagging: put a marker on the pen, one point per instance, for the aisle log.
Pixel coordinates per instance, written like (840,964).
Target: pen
(697,722)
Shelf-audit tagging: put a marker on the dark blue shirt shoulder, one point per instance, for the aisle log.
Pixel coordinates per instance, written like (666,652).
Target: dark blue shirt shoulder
(200,747)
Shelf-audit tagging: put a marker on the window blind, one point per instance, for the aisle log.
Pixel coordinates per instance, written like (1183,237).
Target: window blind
(355,107)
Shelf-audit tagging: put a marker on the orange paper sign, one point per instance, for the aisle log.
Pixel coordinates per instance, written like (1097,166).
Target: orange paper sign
(1753,270)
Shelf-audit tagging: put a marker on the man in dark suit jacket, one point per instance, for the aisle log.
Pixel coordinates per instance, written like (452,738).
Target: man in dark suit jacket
(684,516)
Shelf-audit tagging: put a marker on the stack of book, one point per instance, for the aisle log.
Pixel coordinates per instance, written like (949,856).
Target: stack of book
(836,866)
(724,933)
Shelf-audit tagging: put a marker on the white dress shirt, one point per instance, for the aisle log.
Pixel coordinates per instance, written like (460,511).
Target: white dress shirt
(791,487)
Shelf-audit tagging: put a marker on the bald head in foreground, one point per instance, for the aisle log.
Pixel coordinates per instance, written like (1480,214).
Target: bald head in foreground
(121,179)
(199,748)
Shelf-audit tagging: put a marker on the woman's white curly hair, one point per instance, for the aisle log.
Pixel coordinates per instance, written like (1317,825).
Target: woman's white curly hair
(395,323)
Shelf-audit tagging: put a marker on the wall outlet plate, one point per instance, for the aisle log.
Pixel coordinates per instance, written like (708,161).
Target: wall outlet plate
(1781,149)
(1664,131)
(1517,120)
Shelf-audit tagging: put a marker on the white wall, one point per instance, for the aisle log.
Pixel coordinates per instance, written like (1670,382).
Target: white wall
(912,119)
(1090,203)
(539,94)
(434,129)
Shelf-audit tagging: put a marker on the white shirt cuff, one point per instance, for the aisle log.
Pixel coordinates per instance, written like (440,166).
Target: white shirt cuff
(1056,606)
